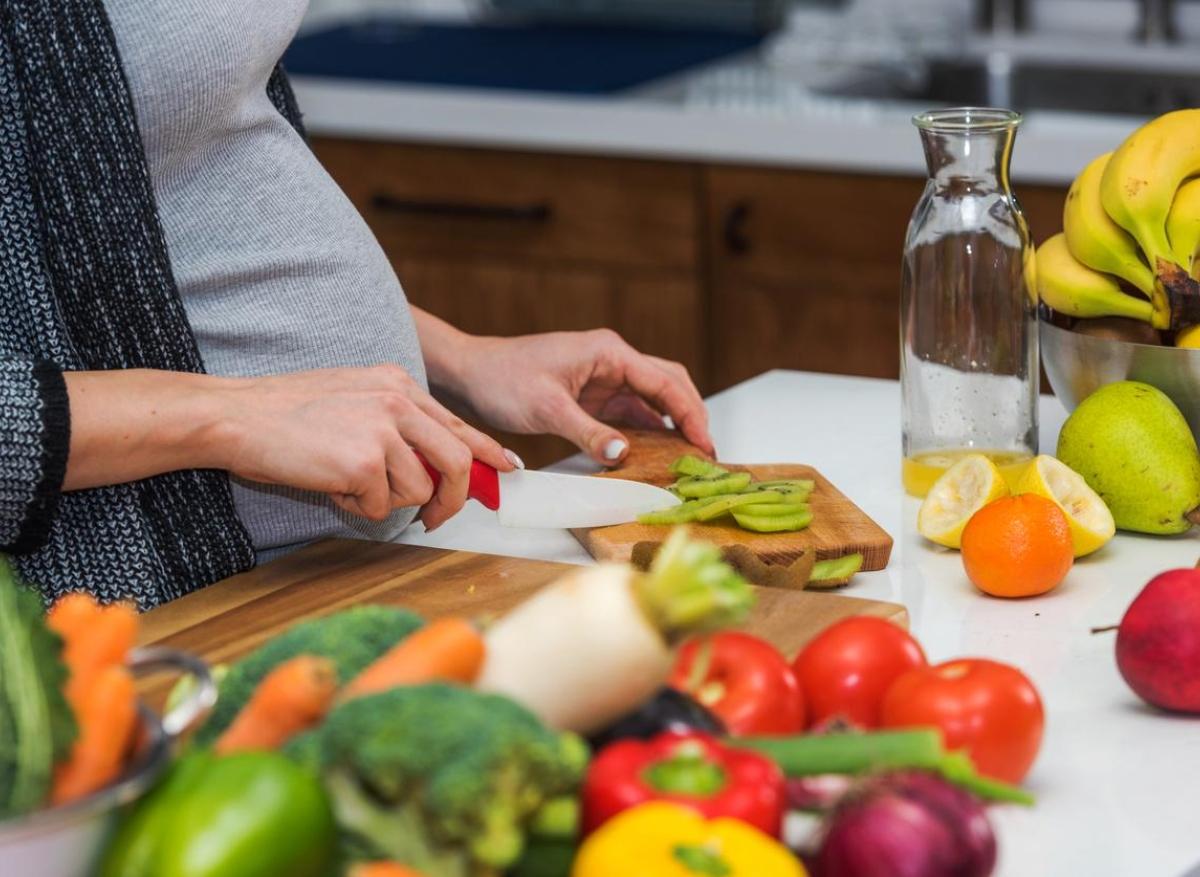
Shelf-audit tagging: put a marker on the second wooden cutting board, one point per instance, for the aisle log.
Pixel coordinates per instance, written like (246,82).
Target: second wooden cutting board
(839,527)
(222,622)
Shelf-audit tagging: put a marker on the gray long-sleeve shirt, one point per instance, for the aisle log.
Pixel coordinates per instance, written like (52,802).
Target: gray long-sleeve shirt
(277,270)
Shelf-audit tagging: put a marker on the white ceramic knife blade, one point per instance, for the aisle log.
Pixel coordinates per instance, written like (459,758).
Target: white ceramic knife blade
(554,500)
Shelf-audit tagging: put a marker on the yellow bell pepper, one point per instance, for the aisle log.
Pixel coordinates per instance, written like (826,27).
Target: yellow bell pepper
(660,839)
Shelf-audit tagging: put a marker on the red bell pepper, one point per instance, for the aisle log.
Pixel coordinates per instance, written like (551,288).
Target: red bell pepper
(745,681)
(691,769)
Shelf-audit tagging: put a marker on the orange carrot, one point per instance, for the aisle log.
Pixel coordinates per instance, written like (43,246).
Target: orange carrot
(107,716)
(382,869)
(100,689)
(94,636)
(291,698)
(72,612)
(446,650)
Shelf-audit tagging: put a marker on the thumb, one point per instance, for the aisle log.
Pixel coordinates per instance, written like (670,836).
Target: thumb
(601,442)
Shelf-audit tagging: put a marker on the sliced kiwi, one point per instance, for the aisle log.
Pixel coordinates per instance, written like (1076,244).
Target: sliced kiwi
(774,509)
(700,486)
(795,491)
(693,466)
(725,504)
(830,573)
(797,520)
(684,513)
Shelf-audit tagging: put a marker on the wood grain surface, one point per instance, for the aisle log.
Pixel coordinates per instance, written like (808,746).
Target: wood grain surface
(839,527)
(226,620)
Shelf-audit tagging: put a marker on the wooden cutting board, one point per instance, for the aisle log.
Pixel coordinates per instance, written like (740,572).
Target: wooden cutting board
(226,620)
(839,527)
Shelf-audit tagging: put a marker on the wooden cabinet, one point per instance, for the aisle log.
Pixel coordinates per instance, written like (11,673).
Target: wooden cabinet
(732,271)
(804,268)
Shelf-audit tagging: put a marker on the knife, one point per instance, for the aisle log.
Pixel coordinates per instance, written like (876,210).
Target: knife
(525,498)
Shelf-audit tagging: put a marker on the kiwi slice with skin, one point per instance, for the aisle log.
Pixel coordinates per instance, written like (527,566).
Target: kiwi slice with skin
(701,486)
(684,513)
(693,466)
(725,504)
(797,520)
(774,509)
(797,490)
(832,573)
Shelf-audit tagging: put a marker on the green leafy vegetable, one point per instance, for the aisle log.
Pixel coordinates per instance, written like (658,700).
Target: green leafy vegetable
(690,589)
(443,779)
(37,726)
(352,640)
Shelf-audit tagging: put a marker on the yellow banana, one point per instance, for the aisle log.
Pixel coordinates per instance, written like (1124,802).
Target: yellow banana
(1078,291)
(1183,225)
(1142,176)
(1094,239)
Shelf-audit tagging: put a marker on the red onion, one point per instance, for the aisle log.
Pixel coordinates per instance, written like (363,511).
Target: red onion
(910,824)
(817,793)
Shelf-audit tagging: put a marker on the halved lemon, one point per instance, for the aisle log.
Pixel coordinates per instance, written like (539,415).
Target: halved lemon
(1092,524)
(964,488)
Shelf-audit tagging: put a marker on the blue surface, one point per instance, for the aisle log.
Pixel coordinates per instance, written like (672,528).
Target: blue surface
(571,60)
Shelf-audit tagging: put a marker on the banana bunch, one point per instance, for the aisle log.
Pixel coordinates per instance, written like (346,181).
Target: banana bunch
(1131,231)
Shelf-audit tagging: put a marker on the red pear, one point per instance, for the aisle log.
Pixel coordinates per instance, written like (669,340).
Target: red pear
(1158,642)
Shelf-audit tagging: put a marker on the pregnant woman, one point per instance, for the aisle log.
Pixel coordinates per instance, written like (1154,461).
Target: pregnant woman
(205,357)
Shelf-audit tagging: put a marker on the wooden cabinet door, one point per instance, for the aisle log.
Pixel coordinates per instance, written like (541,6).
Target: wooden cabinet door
(804,268)
(805,271)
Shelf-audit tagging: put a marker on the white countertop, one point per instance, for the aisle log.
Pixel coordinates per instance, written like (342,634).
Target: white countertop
(807,132)
(1115,779)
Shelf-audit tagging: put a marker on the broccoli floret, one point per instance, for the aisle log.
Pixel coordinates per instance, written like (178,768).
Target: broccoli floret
(441,778)
(351,639)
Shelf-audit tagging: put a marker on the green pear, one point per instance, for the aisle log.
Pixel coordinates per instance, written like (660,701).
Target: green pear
(1134,448)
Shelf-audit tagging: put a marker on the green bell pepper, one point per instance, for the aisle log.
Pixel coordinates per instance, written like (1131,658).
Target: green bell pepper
(253,814)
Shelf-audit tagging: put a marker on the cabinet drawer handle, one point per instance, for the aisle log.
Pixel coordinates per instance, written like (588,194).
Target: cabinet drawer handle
(736,218)
(533,214)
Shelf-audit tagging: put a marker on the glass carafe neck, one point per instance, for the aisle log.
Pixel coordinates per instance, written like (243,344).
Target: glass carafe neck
(968,146)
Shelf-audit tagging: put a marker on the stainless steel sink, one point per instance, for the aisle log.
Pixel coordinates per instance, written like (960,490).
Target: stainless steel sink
(1001,79)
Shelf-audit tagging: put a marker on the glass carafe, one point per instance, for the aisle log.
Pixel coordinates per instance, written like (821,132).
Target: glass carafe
(968,311)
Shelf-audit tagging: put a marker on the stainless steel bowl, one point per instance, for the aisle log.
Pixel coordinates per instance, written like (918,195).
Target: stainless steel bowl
(67,841)
(1078,365)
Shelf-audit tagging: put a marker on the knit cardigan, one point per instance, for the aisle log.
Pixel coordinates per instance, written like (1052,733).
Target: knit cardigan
(86,284)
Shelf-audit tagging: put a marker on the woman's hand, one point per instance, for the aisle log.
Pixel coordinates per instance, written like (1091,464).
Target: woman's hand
(349,433)
(352,434)
(566,383)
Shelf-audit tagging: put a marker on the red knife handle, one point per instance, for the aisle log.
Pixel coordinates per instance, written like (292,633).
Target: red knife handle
(484,486)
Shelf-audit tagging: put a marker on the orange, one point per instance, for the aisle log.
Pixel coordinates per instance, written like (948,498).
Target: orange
(1019,546)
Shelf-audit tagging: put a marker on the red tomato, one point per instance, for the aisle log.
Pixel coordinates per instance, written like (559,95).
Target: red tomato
(846,671)
(990,709)
(744,680)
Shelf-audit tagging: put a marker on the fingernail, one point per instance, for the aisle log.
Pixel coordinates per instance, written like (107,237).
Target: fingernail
(614,449)
(512,457)
(668,422)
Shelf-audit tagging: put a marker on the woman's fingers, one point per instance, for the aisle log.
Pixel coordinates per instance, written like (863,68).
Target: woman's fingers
(631,409)
(672,393)
(449,456)
(409,484)
(565,417)
(371,498)
(483,447)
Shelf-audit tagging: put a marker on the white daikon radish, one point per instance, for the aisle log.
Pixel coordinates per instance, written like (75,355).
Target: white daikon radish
(594,645)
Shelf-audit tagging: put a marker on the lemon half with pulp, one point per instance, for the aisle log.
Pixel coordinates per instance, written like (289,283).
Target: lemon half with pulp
(1092,524)
(965,488)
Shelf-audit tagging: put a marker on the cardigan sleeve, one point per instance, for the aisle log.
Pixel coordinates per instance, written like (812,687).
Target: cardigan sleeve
(279,90)
(35,435)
